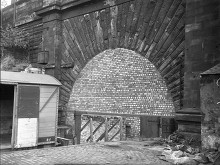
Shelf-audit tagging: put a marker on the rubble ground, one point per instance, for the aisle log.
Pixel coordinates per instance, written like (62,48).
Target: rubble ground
(187,151)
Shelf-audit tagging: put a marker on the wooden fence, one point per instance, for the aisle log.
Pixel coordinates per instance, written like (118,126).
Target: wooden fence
(109,126)
(118,122)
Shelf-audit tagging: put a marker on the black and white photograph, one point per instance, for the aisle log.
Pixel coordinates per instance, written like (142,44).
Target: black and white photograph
(110,82)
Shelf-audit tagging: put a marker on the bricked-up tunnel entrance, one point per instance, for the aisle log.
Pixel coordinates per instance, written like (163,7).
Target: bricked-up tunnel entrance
(121,81)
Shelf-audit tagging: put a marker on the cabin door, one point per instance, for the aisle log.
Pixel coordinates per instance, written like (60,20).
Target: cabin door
(49,96)
(27,116)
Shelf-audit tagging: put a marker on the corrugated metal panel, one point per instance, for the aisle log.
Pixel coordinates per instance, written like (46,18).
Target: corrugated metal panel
(47,115)
(213,70)
(27,132)
(28,101)
(28,78)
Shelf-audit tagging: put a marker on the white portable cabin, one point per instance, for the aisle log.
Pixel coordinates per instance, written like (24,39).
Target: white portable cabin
(28,109)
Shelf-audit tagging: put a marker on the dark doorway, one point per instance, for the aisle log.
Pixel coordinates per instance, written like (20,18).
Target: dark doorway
(6,115)
(149,126)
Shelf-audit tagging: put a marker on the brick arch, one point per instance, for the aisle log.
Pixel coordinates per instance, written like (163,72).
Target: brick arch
(153,29)
(121,81)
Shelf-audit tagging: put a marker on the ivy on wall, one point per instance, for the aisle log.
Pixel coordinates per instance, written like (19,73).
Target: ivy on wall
(14,47)
(14,37)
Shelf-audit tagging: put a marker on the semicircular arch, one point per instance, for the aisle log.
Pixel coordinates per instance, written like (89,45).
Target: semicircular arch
(153,29)
(121,81)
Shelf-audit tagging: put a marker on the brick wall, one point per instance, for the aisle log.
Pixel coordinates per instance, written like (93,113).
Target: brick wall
(121,81)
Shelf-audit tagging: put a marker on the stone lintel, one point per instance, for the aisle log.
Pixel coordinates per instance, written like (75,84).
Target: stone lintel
(58,7)
(189,111)
(73,4)
(188,115)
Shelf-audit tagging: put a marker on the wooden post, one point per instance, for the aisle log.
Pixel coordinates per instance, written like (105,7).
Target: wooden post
(77,127)
(106,129)
(91,130)
(160,127)
(121,127)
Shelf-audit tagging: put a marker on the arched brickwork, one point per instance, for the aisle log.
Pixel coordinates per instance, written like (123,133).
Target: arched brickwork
(121,81)
(154,29)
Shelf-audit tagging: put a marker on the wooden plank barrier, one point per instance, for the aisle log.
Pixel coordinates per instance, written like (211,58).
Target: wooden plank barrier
(110,125)
(97,128)
(105,134)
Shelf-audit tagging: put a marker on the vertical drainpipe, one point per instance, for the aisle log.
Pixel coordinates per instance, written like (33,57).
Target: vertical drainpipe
(14,13)
(1,26)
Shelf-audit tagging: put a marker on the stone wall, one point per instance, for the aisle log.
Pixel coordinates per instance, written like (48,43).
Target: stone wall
(201,53)
(22,12)
(202,46)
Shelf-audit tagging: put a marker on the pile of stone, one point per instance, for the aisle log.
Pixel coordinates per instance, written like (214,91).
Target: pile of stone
(189,156)
(184,152)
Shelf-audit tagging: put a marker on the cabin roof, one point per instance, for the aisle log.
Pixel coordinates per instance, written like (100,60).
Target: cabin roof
(27,78)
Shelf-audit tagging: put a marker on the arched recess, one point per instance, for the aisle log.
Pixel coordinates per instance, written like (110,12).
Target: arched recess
(121,81)
(154,29)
